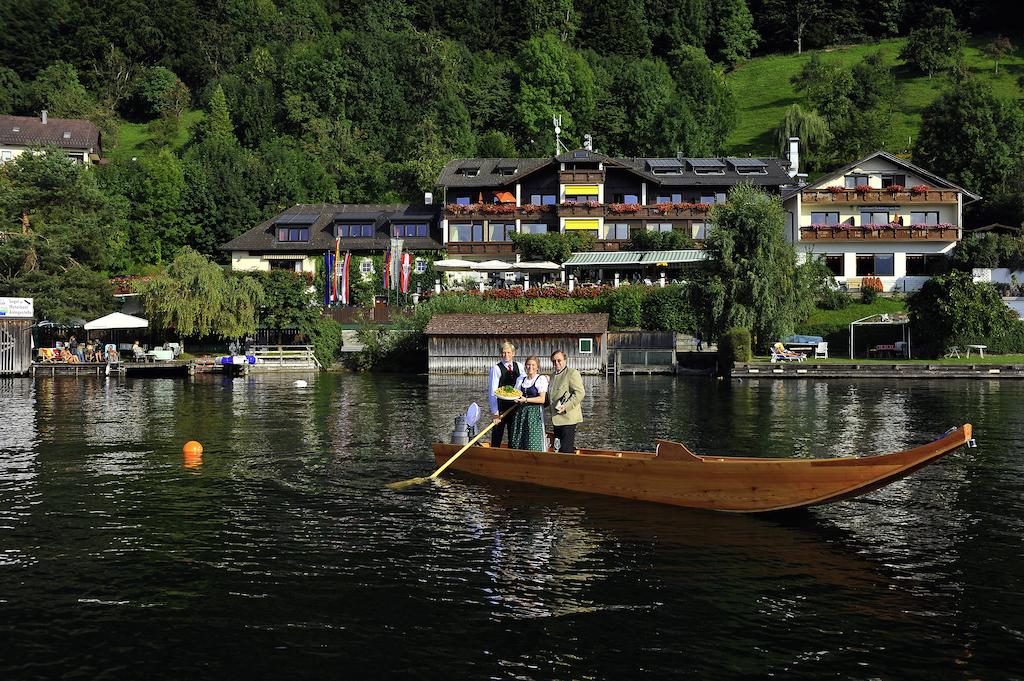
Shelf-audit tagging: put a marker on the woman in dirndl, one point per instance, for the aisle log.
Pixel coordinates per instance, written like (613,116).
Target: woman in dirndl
(528,420)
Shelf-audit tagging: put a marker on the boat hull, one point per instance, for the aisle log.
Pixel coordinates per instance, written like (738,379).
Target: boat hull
(675,476)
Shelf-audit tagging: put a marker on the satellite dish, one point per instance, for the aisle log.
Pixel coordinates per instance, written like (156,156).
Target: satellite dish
(472,414)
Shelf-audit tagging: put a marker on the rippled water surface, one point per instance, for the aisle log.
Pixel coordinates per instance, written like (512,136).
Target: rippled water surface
(283,556)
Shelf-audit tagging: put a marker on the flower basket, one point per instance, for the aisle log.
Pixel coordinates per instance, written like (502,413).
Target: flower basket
(861,189)
(919,189)
(894,188)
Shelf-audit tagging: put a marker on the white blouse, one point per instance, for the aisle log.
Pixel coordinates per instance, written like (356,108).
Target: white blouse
(541,382)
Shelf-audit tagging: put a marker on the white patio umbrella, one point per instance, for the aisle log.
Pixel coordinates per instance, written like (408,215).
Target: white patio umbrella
(493,266)
(116,320)
(544,266)
(453,265)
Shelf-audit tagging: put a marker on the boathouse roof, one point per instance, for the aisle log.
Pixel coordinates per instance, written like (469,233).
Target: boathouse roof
(517,324)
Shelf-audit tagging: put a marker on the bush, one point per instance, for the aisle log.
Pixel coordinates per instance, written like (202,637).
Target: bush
(390,350)
(668,309)
(327,342)
(868,294)
(627,306)
(734,346)
(834,300)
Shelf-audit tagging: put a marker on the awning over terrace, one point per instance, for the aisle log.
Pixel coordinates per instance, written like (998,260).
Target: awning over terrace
(635,258)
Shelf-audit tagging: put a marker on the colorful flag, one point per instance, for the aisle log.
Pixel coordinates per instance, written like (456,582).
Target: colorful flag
(328,273)
(344,278)
(396,263)
(387,268)
(406,271)
(334,279)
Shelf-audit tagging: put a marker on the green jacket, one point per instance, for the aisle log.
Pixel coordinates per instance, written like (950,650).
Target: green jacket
(567,388)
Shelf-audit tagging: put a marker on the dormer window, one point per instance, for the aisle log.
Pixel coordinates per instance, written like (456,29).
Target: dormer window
(295,227)
(468,171)
(505,170)
(293,233)
(579,154)
(67,134)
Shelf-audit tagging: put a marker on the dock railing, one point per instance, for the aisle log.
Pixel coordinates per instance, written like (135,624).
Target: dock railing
(286,356)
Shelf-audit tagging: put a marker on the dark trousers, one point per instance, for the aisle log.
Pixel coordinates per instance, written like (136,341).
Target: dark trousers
(498,431)
(566,438)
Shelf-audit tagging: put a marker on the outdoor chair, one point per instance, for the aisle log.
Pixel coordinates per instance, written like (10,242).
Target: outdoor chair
(781,354)
(953,352)
(821,351)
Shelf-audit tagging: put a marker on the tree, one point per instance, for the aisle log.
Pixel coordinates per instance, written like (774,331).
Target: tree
(217,127)
(752,266)
(645,240)
(998,48)
(11,91)
(57,229)
(812,130)
(936,44)
(707,105)
(195,297)
(58,90)
(553,80)
(553,246)
(791,18)
(734,31)
(162,93)
(615,27)
(954,310)
(976,138)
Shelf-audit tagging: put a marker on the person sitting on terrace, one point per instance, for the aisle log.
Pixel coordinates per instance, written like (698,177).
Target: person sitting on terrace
(781,354)
(138,354)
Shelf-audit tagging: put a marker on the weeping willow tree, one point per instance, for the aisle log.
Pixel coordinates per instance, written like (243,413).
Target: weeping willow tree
(811,128)
(753,268)
(196,297)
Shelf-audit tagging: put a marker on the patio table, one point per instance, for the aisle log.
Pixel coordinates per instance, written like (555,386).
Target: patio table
(980,348)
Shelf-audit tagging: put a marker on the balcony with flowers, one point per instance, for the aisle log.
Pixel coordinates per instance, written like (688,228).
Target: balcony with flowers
(693,211)
(493,211)
(893,231)
(862,193)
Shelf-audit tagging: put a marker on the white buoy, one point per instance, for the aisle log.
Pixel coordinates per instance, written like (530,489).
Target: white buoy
(299,384)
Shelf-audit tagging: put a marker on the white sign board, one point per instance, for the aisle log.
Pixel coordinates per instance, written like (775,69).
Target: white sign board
(16,308)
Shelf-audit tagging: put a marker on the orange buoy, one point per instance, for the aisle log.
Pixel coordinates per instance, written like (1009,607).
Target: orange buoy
(192,448)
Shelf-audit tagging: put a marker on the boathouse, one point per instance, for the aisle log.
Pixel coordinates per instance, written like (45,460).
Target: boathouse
(471,343)
(16,335)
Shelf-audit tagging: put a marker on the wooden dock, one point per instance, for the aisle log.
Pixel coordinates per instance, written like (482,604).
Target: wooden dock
(875,370)
(136,369)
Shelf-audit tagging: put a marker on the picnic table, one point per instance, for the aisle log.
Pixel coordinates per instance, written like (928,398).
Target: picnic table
(980,348)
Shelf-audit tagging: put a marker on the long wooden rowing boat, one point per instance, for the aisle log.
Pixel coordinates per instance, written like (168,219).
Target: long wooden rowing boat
(674,475)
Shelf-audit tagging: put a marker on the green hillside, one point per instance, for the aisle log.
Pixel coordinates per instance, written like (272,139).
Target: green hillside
(136,139)
(763,90)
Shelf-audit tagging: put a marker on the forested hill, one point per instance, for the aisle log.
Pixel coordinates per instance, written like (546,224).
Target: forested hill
(215,115)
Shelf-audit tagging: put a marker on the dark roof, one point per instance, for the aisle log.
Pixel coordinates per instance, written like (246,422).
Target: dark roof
(927,174)
(776,175)
(777,170)
(321,219)
(488,175)
(66,133)
(517,325)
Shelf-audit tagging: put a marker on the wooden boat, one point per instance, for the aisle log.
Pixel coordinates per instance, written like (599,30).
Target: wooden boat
(675,475)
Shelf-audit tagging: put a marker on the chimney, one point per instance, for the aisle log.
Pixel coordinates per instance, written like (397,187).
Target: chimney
(42,116)
(794,156)
(428,198)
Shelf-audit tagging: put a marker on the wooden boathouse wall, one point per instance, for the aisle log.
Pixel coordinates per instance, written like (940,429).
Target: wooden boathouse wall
(471,343)
(15,346)
(476,355)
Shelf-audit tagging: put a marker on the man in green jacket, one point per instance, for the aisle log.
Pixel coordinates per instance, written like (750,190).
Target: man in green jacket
(566,395)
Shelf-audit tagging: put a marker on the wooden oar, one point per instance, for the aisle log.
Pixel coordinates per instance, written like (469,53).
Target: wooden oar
(415,481)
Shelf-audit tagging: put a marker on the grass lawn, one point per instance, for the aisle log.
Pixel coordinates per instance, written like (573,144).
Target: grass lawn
(135,138)
(763,90)
(854,311)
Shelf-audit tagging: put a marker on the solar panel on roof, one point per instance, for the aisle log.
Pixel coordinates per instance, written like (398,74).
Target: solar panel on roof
(664,163)
(747,162)
(297,219)
(705,163)
(579,154)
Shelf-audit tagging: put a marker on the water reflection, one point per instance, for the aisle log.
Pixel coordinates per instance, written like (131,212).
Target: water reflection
(284,545)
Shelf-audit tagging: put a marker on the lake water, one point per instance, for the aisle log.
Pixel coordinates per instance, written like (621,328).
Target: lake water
(284,556)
